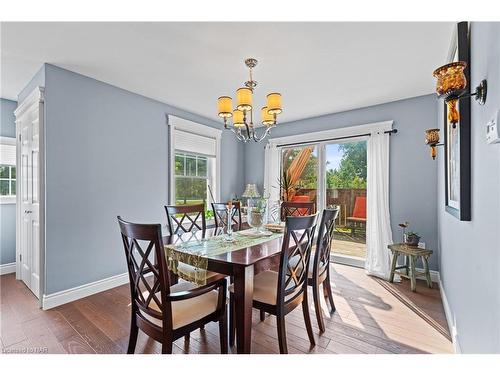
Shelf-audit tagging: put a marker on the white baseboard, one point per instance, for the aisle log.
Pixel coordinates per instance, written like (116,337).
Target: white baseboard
(7,268)
(60,298)
(434,275)
(449,318)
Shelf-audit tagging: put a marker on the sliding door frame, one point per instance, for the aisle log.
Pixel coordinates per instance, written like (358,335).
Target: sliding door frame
(321,139)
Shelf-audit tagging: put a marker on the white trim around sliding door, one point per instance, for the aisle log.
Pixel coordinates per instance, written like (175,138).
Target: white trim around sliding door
(178,123)
(320,136)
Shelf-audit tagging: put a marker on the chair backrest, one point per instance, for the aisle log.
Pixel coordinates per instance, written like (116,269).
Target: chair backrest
(296,209)
(323,243)
(295,256)
(147,269)
(184,219)
(220,214)
(359,210)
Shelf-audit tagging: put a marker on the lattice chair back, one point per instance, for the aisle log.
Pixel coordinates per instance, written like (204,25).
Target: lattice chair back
(184,219)
(296,209)
(295,256)
(323,244)
(148,271)
(220,214)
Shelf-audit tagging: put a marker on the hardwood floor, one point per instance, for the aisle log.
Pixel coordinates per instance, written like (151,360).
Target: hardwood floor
(372,316)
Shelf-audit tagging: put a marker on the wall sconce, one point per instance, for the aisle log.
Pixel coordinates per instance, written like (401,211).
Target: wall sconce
(432,139)
(451,86)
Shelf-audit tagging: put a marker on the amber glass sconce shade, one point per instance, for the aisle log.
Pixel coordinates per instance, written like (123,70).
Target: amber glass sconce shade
(432,139)
(451,84)
(451,79)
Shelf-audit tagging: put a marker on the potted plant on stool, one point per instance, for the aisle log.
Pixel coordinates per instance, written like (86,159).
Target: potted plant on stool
(412,239)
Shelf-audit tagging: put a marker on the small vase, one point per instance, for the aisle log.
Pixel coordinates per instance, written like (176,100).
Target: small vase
(257,214)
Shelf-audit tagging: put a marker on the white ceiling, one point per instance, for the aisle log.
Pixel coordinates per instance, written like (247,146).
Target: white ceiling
(318,67)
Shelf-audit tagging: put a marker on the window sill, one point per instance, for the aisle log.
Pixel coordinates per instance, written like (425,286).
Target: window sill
(7,200)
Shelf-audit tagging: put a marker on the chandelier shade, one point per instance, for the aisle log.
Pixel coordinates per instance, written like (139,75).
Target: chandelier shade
(267,118)
(242,115)
(225,106)
(238,118)
(274,103)
(244,99)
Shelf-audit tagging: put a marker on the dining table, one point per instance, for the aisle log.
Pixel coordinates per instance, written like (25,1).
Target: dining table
(240,259)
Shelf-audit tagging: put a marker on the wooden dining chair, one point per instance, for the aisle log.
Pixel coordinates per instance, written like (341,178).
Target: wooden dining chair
(184,219)
(319,269)
(220,215)
(162,311)
(279,293)
(296,209)
(187,219)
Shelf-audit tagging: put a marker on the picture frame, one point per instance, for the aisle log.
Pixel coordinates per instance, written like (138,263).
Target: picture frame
(457,141)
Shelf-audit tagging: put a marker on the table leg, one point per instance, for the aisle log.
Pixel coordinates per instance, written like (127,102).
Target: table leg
(393,265)
(407,265)
(412,274)
(243,298)
(427,273)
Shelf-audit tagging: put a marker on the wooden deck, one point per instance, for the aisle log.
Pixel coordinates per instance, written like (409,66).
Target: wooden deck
(372,316)
(349,248)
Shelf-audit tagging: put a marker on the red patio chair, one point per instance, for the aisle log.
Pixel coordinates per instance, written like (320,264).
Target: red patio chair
(358,213)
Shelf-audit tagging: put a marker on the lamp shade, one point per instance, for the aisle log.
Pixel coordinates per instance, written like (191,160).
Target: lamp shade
(225,106)
(450,78)
(244,99)
(267,118)
(432,137)
(251,191)
(238,118)
(274,103)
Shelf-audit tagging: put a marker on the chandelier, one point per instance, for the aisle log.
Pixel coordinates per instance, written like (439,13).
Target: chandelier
(242,115)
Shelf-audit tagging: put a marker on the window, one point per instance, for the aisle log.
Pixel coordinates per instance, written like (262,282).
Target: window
(194,162)
(7,170)
(192,178)
(7,180)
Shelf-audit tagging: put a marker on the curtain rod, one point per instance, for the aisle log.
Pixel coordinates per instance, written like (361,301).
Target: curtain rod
(390,132)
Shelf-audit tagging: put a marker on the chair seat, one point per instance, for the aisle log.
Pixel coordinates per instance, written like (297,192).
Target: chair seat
(265,287)
(189,272)
(186,311)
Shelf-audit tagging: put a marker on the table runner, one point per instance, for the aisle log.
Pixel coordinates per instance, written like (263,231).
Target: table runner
(196,253)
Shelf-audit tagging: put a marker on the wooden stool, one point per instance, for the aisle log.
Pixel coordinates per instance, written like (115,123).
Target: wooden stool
(412,253)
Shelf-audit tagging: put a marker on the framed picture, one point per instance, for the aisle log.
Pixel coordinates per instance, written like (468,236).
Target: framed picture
(457,141)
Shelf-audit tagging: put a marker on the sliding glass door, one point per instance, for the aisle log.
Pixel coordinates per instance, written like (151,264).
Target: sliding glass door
(331,173)
(345,187)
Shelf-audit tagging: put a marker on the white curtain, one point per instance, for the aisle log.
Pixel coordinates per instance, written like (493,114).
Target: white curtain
(272,172)
(378,228)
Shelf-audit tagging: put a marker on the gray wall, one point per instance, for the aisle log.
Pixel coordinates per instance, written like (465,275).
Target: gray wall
(470,251)
(106,155)
(7,211)
(412,170)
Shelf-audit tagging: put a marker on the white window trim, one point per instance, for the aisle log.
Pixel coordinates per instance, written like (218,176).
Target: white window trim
(8,141)
(178,123)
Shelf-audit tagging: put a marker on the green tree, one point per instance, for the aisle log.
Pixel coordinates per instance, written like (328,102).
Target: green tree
(351,172)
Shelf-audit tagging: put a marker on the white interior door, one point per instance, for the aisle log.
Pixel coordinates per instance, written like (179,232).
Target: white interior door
(29,190)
